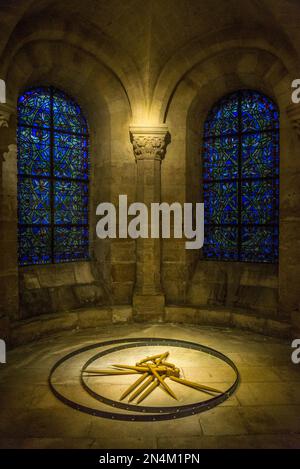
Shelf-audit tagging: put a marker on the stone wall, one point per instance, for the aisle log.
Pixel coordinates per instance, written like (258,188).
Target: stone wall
(133,66)
(267,290)
(52,288)
(62,287)
(9,293)
(252,287)
(35,328)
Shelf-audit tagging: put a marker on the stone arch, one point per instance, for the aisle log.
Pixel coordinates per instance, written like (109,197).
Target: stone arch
(202,49)
(82,37)
(185,275)
(107,109)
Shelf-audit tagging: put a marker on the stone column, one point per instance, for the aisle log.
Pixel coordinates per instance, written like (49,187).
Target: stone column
(9,294)
(149,147)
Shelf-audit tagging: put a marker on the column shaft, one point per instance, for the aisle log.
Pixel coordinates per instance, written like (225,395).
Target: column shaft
(149,146)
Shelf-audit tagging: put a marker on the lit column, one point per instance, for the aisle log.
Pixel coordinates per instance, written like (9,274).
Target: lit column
(149,147)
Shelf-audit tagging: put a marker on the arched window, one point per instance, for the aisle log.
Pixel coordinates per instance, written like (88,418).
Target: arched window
(52,178)
(241,179)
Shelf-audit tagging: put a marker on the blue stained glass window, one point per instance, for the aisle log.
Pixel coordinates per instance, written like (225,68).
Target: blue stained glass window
(53,174)
(241,179)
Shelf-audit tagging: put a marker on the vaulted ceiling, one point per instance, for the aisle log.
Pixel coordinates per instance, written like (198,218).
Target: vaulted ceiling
(150,32)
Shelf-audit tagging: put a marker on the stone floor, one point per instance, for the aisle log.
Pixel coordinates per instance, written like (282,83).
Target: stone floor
(263,413)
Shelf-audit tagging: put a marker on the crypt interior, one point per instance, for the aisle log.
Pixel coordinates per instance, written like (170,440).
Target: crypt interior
(164,101)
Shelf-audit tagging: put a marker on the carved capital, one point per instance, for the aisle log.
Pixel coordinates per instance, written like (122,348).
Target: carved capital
(293,112)
(5,112)
(149,142)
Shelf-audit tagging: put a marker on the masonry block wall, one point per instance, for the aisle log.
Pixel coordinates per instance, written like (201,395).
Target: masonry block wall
(143,69)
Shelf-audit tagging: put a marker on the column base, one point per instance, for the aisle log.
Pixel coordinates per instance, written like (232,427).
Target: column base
(148,307)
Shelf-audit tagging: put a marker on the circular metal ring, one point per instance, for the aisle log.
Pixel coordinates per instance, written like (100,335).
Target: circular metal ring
(148,413)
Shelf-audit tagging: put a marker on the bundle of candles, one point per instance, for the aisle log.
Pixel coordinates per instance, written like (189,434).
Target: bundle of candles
(154,371)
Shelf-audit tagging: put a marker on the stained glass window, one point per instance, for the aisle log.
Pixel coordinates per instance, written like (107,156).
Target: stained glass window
(53,172)
(241,179)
